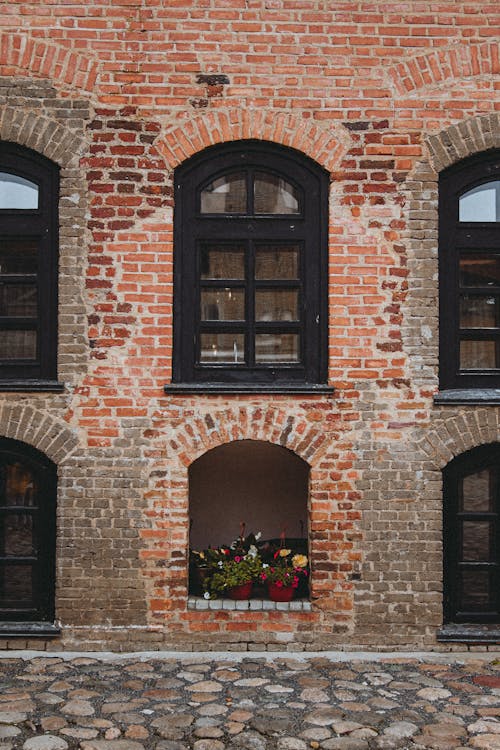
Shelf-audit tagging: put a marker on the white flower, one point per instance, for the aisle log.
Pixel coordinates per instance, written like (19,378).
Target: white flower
(265,565)
(206,595)
(220,564)
(258,536)
(253,551)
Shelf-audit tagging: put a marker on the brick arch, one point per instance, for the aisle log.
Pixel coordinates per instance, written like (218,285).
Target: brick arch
(42,134)
(464,139)
(183,140)
(450,436)
(23,55)
(38,429)
(273,424)
(440,67)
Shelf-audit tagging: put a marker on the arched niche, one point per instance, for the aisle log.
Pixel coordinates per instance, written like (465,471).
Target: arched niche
(260,484)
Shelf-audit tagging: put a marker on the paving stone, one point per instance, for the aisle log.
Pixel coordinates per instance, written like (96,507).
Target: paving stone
(7,731)
(290,743)
(45,742)
(12,717)
(401,729)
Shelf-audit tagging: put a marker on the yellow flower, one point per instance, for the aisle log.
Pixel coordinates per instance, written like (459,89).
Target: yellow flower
(299,561)
(284,552)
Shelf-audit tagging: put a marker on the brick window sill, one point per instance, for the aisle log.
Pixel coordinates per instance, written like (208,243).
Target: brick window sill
(31,629)
(470,396)
(26,386)
(469,633)
(248,605)
(243,388)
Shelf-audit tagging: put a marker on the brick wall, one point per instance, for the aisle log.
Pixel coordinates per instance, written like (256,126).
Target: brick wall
(382,95)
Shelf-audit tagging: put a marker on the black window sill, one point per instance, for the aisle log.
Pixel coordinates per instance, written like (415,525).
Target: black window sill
(49,386)
(469,633)
(471,396)
(30,629)
(305,389)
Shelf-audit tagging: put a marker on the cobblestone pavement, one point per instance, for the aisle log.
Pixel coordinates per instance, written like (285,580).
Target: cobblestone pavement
(249,702)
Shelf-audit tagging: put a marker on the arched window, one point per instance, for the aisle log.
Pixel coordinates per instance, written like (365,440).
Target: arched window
(27,533)
(472,536)
(469,273)
(28,265)
(250,267)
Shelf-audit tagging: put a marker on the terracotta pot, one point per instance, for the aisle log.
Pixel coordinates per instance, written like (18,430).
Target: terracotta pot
(280,593)
(240,592)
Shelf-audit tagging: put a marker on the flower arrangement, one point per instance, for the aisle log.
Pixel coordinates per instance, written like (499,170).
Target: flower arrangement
(286,570)
(232,573)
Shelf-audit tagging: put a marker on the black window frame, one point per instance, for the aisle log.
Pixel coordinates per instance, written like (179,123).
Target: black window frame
(456,237)
(41,225)
(309,228)
(475,460)
(43,515)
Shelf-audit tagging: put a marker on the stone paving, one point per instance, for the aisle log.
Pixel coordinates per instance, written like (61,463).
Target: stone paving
(249,702)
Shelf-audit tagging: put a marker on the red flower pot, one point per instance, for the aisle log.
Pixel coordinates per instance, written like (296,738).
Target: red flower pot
(240,592)
(280,593)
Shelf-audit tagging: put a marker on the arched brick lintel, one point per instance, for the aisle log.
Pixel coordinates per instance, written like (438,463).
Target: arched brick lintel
(38,429)
(464,139)
(443,66)
(189,137)
(23,55)
(269,424)
(450,436)
(42,134)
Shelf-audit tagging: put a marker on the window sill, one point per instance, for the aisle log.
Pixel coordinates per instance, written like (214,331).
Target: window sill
(469,633)
(305,389)
(472,396)
(31,385)
(31,629)
(248,605)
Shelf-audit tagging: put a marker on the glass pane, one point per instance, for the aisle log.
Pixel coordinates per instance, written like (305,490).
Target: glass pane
(476,493)
(477,541)
(271,347)
(476,594)
(478,311)
(481,204)
(277,304)
(18,485)
(223,304)
(277,262)
(225,195)
(17,345)
(274,195)
(18,300)
(222,262)
(15,584)
(478,355)
(227,348)
(16,192)
(18,256)
(17,535)
(477,271)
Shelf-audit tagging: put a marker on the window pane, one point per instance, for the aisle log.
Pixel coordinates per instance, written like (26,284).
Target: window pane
(481,204)
(273,347)
(476,590)
(18,300)
(476,493)
(222,304)
(277,304)
(17,536)
(18,486)
(478,311)
(18,345)
(228,348)
(277,262)
(226,195)
(222,262)
(477,541)
(16,192)
(15,584)
(273,195)
(18,256)
(478,355)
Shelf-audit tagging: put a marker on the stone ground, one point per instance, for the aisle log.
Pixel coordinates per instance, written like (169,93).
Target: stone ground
(249,701)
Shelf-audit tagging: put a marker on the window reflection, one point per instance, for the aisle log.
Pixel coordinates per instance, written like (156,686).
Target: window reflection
(17,193)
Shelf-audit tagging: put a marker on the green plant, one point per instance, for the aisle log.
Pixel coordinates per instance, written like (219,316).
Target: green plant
(235,572)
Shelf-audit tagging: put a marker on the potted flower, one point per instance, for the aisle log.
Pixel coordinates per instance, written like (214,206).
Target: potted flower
(284,574)
(234,577)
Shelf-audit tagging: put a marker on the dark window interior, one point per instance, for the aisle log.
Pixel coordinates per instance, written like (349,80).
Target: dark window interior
(27,533)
